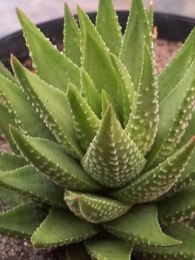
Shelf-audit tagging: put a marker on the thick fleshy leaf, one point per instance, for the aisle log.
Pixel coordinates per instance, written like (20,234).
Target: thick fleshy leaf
(181,122)
(126,91)
(177,69)
(109,249)
(62,228)
(53,106)
(184,251)
(94,208)
(144,119)
(108,26)
(5,72)
(22,220)
(179,207)
(86,123)
(35,185)
(97,62)
(175,114)
(6,119)
(90,92)
(11,198)
(26,118)
(106,102)
(71,37)
(52,160)
(140,227)
(137,34)
(112,158)
(10,161)
(51,65)
(156,182)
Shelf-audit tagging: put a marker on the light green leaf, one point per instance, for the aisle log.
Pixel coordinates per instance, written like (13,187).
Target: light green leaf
(184,251)
(179,207)
(94,208)
(108,26)
(53,105)
(11,198)
(22,221)
(109,249)
(51,65)
(96,60)
(158,181)
(177,69)
(51,159)
(71,37)
(143,123)
(27,118)
(6,73)
(10,161)
(137,34)
(35,185)
(90,92)
(140,227)
(86,123)
(6,119)
(125,90)
(112,158)
(62,228)
(175,114)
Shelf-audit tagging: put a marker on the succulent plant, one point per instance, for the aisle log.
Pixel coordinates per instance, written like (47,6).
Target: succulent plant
(102,147)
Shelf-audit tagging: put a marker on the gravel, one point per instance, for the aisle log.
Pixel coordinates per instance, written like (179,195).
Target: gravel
(12,248)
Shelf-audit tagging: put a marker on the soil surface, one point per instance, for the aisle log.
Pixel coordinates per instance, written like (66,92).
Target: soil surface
(11,248)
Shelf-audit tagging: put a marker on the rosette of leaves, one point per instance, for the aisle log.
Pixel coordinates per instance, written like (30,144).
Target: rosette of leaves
(102,147)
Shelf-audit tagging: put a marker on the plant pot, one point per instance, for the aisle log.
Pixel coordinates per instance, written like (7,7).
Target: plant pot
(170,27)
(178,30)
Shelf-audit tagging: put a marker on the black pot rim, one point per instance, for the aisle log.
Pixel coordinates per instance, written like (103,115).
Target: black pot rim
(170,27)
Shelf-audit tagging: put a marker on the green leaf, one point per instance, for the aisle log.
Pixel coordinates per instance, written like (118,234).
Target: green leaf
(108,26)
(112,158)
(53,105)
(11,198)
(177,69)
(52,160)
(51,65)
(175,114)
(6,119)
(62,228)
(86,123)
(156,182)
(94,208)
(71,37)
(125,90)
(140,227)
(96,60)
(181,122)
(150,15)
(137,34)
(109,249)
(106,102)
(26,118)
(35,185)
(143,123)
(179,207)
(90,92)
(22,221)
(6,73)
(184,251)
(10,161)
